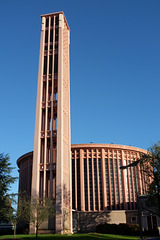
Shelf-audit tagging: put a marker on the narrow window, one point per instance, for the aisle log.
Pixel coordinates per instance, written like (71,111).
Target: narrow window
(112,184)
(45,66)
(95,184)
(107,184)
(100,184)
(116,181)
(42,151)
(90,184)
(57,20)
(120,185)
(52,19)
(85,184)
(78,186)
(73,183)
(45,47)
(56,63)
(47,22)
(51,35)
(50,64)
(56,35)
(46,36)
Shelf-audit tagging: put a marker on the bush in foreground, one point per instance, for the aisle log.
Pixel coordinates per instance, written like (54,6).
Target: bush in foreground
(120,229)
(124,229)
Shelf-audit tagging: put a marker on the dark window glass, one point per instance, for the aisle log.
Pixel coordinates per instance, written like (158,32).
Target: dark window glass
(116,180)
(46,47)
(73,183)
(107,184)
(50,64)
(85,185)
(100,184)
(44,92)
(57,20)
(47,22)
(52,20)
(95,184)
(78,186)
(90,184)
(56,35)
(120,180)
(46,36)
(45,66)
(51,35)
(112,183)
(56,63)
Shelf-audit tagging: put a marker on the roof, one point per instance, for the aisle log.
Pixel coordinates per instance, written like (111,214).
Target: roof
(56,13)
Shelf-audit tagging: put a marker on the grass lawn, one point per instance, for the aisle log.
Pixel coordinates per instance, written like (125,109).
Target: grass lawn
(72,237)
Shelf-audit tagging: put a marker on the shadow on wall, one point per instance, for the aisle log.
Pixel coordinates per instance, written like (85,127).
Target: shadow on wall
(87,221)
(63,209)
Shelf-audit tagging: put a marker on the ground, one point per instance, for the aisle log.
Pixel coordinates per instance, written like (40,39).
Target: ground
(93,236)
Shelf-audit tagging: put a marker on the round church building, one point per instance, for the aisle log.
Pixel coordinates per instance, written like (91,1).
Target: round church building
(102,192)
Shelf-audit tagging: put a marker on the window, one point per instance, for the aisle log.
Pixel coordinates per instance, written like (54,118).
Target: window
(116,180)
(50,64)
(120,180)
(90,184)
(51,35)
(52,20)
(95,184)
(73,183)
(78,186)
(46,36)
(85,184)
(56,35)
(100,184)
(55,63)
(133,219)
(47,22)
(107,184)
(46,47)
(57,20)
(112,183)
(45,66)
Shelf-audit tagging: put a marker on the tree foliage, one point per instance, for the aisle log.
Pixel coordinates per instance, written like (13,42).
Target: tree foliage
(35,211)
(150,164)
(6,180)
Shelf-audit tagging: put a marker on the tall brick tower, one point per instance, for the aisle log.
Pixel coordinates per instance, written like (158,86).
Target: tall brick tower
(51,174)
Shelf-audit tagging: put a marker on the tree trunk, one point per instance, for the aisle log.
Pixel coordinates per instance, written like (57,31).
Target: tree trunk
(36,232)
(14,230)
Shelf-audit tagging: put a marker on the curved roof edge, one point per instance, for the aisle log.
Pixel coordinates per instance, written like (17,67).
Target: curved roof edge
(105,145)
(24,156)
(92,145)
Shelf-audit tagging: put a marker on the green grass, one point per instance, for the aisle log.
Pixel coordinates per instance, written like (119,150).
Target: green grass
(93,236)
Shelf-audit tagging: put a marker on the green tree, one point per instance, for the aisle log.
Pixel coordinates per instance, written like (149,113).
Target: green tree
(150,165)
(35,211)
(19,205)
(6,179)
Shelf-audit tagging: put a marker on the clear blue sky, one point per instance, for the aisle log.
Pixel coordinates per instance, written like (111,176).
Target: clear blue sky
(115,71)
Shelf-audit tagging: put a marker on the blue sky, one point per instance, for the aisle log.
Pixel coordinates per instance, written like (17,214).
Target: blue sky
(115,71)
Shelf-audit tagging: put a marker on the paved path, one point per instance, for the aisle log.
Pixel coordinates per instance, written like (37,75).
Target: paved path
(153,238)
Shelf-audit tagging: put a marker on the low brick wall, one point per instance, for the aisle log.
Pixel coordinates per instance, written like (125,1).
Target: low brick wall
(87,221)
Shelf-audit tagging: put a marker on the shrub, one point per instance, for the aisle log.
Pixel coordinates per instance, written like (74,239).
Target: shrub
(120,229)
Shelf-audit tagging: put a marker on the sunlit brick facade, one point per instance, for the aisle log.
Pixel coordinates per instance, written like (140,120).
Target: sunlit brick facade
(98,183)
(51,157)
(100,188)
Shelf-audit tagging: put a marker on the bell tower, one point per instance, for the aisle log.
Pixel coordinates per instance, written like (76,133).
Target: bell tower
(51,176)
